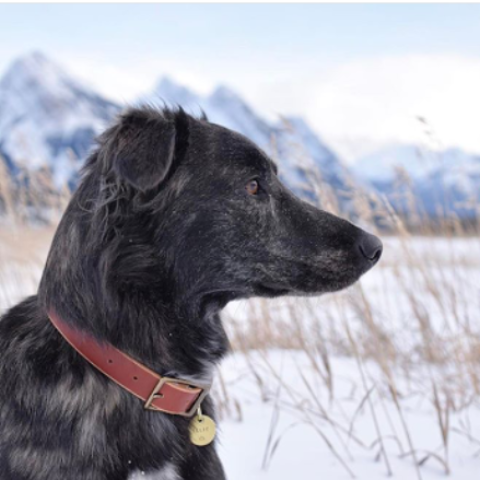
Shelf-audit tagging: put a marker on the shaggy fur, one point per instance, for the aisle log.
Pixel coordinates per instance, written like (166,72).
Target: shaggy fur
(159,236)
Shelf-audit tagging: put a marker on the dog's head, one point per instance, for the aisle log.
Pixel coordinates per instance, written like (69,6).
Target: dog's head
(212,206)
(185,208)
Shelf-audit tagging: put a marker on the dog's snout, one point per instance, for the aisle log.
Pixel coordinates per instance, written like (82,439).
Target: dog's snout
(371,247)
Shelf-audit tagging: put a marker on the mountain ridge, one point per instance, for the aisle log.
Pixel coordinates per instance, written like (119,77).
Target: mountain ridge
(442,181)
(50,119)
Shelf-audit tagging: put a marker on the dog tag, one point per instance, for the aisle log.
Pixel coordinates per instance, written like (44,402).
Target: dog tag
(202,430)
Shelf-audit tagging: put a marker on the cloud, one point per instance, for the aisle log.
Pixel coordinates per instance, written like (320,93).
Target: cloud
(364,103)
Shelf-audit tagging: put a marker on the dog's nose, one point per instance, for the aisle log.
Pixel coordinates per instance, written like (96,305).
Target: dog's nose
(371,247)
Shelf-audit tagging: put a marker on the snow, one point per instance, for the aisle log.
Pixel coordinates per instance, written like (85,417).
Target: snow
(302,452)
(47,118)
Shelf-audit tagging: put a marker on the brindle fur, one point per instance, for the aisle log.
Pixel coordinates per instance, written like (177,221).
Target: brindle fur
(160,235)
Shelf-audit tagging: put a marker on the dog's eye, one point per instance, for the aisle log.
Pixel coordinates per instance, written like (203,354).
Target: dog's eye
(252,187)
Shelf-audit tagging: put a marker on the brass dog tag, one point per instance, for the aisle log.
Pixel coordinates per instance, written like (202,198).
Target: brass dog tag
(202,430)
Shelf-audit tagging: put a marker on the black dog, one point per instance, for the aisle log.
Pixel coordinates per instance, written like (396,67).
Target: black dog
(174,218)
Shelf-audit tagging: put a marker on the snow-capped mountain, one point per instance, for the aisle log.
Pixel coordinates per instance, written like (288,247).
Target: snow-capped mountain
(291,141)
(176,94)
(442,181)
(47,118)
(223,107)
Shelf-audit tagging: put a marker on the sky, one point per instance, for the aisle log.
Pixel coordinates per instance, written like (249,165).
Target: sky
(360,74)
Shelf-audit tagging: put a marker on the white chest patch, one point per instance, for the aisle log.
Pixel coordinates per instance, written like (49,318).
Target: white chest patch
(169,472)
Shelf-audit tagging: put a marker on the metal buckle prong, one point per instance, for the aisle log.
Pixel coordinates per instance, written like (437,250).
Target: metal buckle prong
(162,381)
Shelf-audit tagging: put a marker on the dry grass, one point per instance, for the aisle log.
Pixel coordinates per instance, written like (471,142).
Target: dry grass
(412,334)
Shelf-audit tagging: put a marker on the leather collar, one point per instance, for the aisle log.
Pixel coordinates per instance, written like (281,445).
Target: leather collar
(163,394)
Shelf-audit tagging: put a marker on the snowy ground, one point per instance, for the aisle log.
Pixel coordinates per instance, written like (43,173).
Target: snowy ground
(402,355)
(381,379)
(302,451)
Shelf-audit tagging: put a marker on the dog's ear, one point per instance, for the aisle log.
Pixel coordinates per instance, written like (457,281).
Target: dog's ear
(143,147)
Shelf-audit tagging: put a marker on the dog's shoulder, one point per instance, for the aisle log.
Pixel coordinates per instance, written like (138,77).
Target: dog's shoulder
(31,349)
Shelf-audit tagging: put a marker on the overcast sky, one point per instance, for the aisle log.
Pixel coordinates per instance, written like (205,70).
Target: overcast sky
(360,74)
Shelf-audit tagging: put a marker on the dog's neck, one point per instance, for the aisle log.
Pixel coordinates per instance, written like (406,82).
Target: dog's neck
(151,323)
(168,338)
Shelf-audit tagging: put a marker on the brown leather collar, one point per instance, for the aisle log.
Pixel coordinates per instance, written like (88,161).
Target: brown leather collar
(162,394)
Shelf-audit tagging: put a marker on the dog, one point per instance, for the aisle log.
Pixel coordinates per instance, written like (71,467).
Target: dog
(173,218)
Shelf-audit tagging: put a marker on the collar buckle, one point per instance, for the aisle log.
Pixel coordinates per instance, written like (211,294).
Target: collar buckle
(156,394)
